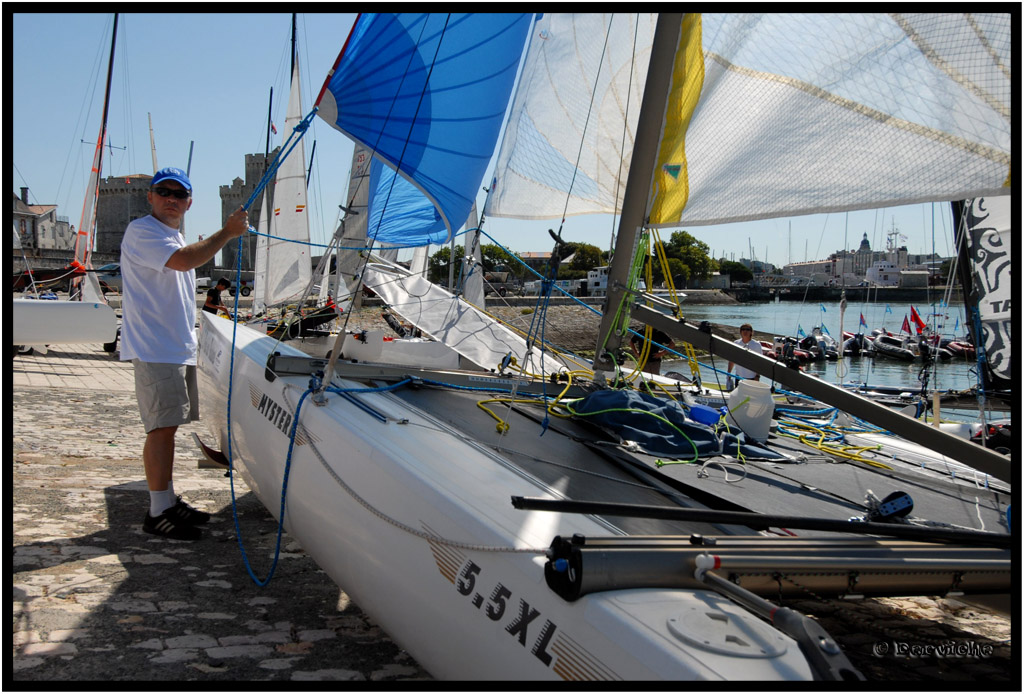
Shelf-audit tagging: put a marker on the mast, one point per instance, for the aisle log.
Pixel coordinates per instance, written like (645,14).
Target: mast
(270,122)
(292,70)
(188,172)
(288,268)
(86,228)
(152,142)
(638,184)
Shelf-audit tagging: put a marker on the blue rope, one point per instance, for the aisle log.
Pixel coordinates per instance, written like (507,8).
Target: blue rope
(271,171)
(313,386)
(286,149)
(284,493)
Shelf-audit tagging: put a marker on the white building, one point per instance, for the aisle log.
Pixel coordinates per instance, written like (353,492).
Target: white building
(597,281)
(884,273)
(39,226)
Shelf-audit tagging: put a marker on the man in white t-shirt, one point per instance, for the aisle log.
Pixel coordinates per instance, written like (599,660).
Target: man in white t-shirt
(747,342)
(158,336)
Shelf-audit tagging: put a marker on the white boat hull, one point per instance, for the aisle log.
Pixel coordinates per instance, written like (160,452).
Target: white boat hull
(40,322)
(375,346)
(405,515)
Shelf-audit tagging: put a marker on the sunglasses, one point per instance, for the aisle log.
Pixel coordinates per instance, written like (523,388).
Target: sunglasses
(168,192)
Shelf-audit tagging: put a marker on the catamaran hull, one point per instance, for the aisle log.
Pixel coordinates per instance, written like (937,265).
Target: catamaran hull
(38,322)
(414,521)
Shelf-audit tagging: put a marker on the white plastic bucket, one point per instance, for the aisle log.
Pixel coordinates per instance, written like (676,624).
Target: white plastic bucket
(751,408)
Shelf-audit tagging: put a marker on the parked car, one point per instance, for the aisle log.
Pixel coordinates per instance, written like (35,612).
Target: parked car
(45,279)
(246,288)
(110,277)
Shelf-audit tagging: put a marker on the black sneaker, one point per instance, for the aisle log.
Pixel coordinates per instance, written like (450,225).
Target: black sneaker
(169,526)
(183,513)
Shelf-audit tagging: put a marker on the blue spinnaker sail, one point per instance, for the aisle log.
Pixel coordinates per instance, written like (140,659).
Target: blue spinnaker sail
(410,219)
(427,93)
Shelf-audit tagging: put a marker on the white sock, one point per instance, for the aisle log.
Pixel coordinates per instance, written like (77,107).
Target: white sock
(160,501)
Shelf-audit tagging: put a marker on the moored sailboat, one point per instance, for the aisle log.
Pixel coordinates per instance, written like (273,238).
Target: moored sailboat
(398,483)
(87,317)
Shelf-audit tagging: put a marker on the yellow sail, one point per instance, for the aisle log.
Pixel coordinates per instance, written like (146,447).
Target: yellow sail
(671,187)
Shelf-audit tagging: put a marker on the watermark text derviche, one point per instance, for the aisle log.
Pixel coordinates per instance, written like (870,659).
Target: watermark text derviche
(945,649)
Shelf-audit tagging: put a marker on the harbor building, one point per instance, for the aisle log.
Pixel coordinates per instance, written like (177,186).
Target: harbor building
(40,227)
(893,267)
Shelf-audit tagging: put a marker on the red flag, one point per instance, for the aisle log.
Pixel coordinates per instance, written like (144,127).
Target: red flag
(906,326)
(273,127)
(921,325)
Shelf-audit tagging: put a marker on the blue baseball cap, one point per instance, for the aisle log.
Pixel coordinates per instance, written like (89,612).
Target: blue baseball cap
(172,174)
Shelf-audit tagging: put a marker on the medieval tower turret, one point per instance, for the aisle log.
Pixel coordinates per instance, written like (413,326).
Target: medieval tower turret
(121,200)
(237,194)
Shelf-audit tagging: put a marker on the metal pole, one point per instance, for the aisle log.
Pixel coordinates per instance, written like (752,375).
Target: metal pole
(152,142)
(983,459)
(638,183)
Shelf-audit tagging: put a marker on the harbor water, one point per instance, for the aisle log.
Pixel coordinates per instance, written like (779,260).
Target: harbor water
(788,317)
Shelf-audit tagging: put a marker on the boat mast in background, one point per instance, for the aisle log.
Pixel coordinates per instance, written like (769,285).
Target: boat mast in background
(152,142)
(88,287)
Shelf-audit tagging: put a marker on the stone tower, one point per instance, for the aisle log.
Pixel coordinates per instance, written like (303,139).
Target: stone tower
(237,194)
(121,200)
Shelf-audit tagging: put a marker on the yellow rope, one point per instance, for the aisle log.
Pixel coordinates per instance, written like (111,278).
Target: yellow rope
(815,438)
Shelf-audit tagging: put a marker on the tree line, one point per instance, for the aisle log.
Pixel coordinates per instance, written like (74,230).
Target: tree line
(688,259)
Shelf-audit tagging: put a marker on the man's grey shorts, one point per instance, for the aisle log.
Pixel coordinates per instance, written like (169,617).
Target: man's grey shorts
(168,394)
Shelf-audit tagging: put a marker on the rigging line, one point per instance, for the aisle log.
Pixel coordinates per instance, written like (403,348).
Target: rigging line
(82,114)
(570,296)
(583,135)
(317,188)
(286,149)
(79,166)
(625,126)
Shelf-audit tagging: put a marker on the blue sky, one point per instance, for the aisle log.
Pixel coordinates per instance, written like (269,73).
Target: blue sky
(206,77)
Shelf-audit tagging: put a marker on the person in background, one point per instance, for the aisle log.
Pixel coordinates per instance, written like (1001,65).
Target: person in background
(654,357)
(748,343)
(158,336)
(213,301)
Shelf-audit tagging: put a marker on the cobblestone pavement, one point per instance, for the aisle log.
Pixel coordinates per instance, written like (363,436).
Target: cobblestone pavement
(96,599)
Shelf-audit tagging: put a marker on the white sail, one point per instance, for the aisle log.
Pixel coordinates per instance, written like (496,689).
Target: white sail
(473,269)
(771,115)
(474,335)
(353,231)
(389,253)
(259,301)
(420,257)
(582,81)
(289,269)
(87,288)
